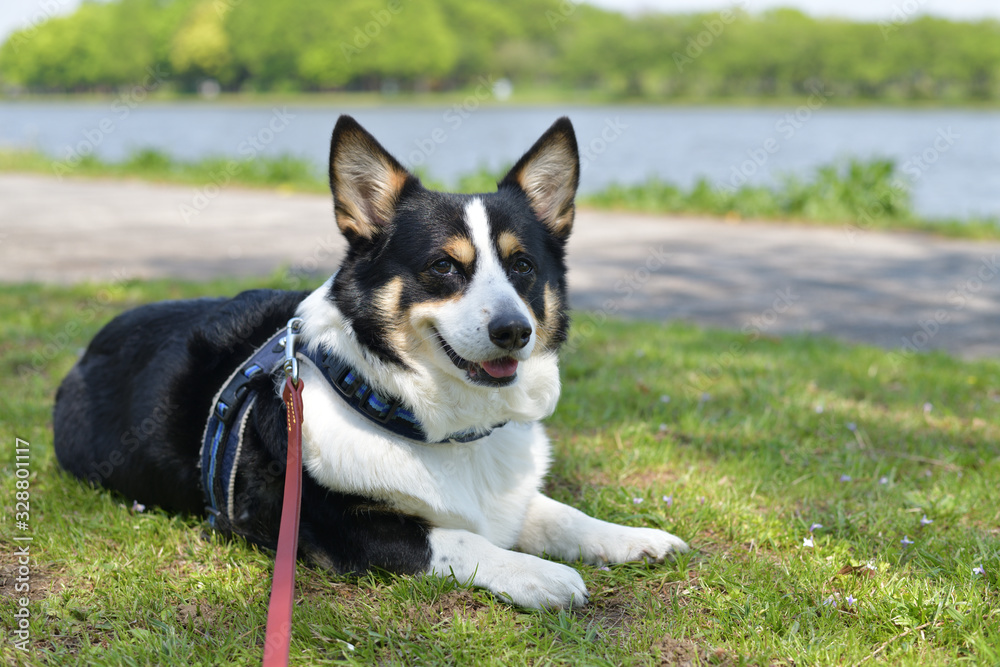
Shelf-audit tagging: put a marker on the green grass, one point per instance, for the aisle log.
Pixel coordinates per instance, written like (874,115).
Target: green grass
(861,195)
(750,439)
(285,172)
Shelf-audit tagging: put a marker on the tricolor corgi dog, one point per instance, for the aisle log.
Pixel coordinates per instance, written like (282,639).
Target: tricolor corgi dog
(428,361)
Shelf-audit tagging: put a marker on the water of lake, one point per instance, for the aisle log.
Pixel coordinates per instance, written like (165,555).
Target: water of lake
(951,158)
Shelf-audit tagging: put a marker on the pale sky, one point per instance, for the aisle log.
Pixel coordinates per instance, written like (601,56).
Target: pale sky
(868,10)
(20,13)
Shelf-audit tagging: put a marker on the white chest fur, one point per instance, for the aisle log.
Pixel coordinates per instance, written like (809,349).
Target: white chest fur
(483,486)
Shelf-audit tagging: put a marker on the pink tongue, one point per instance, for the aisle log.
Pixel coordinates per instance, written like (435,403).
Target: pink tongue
(500,368)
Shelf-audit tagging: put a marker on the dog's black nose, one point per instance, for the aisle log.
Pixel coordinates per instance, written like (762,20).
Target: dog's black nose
(510,332)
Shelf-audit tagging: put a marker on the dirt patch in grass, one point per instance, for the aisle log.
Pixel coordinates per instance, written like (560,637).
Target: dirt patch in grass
(653,479)
(453,604)
(459,603)
(686,653)
(617,614)
(316,585)
(200,615)
(614,615)
(41,582)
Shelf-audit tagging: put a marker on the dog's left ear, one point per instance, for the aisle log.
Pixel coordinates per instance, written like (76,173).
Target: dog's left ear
(549,174)
(365,180)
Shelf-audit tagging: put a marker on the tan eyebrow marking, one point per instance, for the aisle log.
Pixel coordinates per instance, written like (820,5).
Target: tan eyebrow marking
(508,244)
(461,248)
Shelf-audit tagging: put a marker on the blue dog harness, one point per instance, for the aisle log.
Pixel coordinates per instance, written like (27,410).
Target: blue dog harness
(231,407)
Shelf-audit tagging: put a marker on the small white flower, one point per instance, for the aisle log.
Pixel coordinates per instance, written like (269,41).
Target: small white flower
(808,542)
(925,521)
(636,501)
(819,409)
(883,480)
(978,570)
(906,541)
(669,500)
(664,399)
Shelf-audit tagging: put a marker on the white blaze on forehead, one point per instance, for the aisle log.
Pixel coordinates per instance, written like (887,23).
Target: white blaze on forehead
(479,225)
(491,287)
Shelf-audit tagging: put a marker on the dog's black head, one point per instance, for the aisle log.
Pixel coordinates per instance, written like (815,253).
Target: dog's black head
(475,283)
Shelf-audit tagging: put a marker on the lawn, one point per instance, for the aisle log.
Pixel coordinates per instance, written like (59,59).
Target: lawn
(841,502)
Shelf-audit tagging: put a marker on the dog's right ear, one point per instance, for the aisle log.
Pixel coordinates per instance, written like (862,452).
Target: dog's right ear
(549,174)
(365,180)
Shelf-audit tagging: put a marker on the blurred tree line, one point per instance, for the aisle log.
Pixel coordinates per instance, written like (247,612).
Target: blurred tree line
(360,45)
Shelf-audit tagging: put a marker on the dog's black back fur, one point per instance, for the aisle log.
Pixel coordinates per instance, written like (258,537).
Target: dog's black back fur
(130,416)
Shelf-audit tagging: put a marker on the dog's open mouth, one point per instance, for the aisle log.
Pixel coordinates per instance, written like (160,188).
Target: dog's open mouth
(493,373)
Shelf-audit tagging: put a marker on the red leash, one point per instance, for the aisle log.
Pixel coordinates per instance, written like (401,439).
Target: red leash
(278,635)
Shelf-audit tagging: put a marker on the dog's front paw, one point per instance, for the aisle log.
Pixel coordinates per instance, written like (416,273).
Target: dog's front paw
(518,578)
(532,582)
(621,544)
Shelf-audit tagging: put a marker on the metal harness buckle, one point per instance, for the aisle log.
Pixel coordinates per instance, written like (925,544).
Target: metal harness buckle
(291,364)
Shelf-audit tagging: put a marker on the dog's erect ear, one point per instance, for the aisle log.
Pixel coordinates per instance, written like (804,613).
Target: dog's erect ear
(365,180)
(549,174)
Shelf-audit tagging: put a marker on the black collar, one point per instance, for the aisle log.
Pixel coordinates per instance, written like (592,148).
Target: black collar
(385,411)
(223,437)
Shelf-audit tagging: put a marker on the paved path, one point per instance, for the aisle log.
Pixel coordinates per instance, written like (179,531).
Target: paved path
(886,289)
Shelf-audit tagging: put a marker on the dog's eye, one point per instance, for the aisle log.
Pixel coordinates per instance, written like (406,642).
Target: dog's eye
(443,267)
(522,267)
